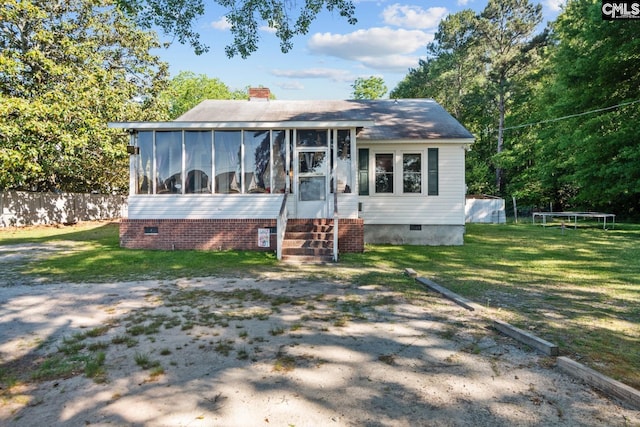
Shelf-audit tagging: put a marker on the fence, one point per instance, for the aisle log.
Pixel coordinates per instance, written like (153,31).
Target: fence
(485,209)
(21,208)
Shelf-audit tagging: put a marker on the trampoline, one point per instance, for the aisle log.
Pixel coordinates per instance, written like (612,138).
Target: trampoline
(575,215)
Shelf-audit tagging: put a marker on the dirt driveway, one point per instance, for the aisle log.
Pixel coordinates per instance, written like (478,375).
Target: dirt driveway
(270,351)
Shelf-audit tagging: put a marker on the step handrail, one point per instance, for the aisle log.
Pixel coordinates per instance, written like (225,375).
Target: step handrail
(336,220)
(281,226)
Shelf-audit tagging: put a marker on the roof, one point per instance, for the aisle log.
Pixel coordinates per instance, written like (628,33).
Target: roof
(380,120)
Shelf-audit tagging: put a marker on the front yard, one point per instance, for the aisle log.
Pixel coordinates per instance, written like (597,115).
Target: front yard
(576,288)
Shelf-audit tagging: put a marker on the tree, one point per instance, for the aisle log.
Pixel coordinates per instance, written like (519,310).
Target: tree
(66,70)
(178,17)
(506,36)
(369,88)
(186,90)
(454,75)
(590,157)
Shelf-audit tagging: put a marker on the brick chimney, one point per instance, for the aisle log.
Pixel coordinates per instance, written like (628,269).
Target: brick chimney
(259,94)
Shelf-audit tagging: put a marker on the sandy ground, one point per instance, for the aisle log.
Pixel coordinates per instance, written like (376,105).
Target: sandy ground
(273,351)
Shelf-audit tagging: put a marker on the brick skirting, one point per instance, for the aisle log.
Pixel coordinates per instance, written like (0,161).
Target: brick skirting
(351,235)
(219,234)
(203,234)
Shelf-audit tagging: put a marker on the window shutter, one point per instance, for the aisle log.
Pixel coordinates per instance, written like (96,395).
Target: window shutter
(432,171)
(363,171)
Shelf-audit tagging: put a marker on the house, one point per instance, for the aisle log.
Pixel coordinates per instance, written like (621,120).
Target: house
(310,178)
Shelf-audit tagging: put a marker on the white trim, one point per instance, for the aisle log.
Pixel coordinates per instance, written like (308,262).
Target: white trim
(241,125)
(422,142)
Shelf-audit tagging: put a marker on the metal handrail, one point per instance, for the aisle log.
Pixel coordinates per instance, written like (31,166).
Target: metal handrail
(281,226)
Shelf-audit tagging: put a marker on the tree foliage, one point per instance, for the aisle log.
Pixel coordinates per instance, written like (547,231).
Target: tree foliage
(67,68)
(592,159)
(369,88)
(186,90)
(178,18)
(563,106)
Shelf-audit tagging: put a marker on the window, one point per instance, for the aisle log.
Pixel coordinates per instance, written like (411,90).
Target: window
(227,161)
(384,173)
(197,150)
(432,171)
(257,161)
(279,162)
(363,171)
(144,164)
(412,173)
(169,162)
(311,138)
(343,166)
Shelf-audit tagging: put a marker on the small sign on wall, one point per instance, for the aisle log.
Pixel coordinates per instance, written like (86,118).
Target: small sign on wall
(264,237)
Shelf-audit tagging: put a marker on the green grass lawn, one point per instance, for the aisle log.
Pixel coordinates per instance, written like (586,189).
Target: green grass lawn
(577,288)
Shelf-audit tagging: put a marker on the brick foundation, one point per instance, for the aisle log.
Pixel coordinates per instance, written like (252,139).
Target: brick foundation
(351,235)
(219,234)
(203,234)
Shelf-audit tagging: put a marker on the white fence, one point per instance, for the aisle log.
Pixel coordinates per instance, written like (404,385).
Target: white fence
(20,208)
(487,210)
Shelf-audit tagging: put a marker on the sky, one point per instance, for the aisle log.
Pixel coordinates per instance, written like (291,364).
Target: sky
(388,40)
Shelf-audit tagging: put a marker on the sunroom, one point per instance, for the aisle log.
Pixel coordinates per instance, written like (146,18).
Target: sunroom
(234,186)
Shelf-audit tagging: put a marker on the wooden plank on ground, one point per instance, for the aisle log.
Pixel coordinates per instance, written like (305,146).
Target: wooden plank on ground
(606,384)
(469,305)
(531,340)
(410,272)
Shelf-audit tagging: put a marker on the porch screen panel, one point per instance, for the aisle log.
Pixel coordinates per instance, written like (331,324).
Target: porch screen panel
(197,148)
(144,164)
(169,162)
(227,161)
(363,171)
(343,166)
(279,162)
(432,171)
(412,173)
(384,173)
(312,138)
(257,161)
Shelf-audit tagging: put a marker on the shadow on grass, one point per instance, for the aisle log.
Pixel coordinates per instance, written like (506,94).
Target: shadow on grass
(578,288)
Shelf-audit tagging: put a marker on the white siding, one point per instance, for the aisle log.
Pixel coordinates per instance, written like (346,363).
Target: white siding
(347,205)
(447,208)
(211,206)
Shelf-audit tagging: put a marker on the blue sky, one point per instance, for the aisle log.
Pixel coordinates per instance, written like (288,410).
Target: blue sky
(389,39)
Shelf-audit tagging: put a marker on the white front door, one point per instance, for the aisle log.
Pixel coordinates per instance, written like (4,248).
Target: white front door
(312,171)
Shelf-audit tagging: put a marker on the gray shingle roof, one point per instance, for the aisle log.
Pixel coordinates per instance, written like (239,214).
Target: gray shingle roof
(402,119)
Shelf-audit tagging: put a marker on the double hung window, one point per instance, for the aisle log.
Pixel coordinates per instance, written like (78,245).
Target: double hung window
(412,173)
(384,173)
(413,177)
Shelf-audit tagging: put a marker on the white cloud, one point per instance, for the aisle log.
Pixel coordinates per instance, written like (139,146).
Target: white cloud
(391,63)
(291,85)
(268,29)
(378,48)
(372,42)
(221,24)
(462,2)
(555,5)
(413,16)
(334,74)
